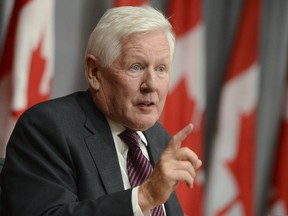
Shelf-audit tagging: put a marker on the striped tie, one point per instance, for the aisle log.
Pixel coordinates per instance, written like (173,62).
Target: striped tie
(138,166)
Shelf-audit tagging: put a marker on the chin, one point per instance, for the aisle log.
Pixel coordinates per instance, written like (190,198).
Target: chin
(143,124)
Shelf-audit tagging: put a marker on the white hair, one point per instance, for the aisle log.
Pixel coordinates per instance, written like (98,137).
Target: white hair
(120,22)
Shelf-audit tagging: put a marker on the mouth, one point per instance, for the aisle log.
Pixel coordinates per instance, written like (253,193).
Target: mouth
(146,105)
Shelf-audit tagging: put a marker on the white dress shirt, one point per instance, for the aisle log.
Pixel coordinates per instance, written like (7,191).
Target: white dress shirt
(122,150)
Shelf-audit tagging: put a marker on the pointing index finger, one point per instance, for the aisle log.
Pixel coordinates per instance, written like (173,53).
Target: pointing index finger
(180,136)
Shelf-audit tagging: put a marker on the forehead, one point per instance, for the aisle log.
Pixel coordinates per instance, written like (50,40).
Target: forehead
(153,41)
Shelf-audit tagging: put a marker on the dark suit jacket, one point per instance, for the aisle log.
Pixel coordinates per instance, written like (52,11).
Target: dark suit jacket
(61,160)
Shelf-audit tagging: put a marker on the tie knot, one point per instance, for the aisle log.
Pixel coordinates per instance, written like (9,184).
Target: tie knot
(130,137)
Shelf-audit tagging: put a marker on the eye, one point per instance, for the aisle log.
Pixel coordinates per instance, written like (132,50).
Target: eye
(161,69)
(136,67)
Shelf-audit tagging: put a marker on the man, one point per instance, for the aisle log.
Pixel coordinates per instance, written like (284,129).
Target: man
(67,156)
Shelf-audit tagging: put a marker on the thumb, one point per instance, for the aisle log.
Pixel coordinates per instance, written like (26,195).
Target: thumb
(179,137)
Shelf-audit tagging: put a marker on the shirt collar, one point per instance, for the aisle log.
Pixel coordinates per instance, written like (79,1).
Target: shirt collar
(118,128)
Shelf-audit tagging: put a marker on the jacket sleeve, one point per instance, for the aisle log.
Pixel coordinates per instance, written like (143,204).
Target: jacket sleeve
(40,177)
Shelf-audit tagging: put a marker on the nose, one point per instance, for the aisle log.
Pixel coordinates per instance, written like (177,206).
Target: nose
(149,80)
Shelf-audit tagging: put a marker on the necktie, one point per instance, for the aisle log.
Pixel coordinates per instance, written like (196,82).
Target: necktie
(138,166)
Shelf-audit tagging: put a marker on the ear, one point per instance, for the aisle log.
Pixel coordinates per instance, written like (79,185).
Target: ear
(92,71)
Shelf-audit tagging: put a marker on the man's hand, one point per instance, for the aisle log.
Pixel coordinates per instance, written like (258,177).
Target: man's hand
(175,164)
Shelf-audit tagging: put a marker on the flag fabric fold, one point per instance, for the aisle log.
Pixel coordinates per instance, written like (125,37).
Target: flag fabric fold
(186,98)
(278,199)
(230,188)
(27,62)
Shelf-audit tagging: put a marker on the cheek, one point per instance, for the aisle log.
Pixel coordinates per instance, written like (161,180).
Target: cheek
(129,89)
(122,95)
(163,89)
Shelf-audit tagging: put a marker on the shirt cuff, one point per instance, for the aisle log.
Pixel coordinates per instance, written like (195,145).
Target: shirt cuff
(135,205)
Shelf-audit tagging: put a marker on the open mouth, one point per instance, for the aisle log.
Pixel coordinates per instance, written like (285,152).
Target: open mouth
(147,104)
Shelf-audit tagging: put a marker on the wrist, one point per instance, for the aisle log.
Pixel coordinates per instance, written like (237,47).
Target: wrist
(145,200)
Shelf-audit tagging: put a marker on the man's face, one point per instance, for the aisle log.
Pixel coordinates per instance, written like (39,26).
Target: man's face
(133,90)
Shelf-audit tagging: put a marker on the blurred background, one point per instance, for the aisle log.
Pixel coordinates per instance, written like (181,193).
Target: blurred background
(229,78)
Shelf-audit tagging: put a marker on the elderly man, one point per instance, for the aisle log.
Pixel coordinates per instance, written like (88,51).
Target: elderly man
(102,152)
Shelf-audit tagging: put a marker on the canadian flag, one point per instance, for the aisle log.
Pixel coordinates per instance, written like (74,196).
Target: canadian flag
(230,189)
(186,99)
(26,63)
(279,193)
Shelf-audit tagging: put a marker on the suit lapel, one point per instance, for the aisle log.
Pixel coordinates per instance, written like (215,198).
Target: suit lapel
(156,144)
(154,151)
(102,148)
(104,154)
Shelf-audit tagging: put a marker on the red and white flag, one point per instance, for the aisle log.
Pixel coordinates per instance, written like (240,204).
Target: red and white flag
(230,189)
(279,194)
(26,62)
(186,99)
